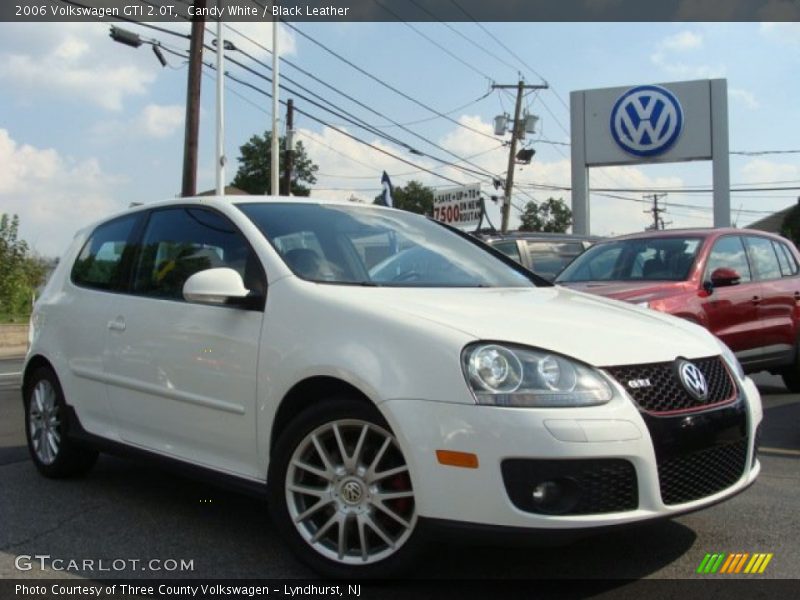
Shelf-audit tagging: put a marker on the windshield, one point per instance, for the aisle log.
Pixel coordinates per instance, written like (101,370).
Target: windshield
(371,246)
(643,259)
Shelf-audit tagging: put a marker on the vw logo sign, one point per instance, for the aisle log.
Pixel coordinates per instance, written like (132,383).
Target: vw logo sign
(693,380)
(646,120)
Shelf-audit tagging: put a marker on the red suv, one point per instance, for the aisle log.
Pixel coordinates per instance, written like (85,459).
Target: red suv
(743,285)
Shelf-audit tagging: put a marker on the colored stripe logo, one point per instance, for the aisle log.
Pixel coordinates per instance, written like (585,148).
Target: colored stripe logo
(740,562)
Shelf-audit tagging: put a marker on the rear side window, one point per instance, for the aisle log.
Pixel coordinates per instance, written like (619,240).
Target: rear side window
(786,259)
(763,257)
(100,265)
(728,252)
(179,242)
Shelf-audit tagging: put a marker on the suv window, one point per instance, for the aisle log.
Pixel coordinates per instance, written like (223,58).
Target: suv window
(763,256)
(548,259)
(729,252)
(179,242)
(509,248)
(100,265)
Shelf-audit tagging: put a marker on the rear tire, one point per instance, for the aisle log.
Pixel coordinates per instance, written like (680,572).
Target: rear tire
(53,452)
(791,379)
(341,494)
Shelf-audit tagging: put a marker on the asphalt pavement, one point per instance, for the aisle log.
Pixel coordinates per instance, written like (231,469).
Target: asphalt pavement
(136,512)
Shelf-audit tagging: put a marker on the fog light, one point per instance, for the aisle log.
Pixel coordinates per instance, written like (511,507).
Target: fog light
(558,496)
(545,493)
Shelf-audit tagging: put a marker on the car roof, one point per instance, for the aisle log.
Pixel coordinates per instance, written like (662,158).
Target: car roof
(703,232)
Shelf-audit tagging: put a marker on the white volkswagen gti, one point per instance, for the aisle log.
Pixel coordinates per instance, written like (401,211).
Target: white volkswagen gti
(377,376)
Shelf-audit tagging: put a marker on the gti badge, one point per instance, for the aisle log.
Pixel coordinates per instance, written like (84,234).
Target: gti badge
(636,384)
(693,380)
(646,120)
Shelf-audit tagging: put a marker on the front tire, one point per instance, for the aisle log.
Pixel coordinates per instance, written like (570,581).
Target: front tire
(341,492)
(53,452)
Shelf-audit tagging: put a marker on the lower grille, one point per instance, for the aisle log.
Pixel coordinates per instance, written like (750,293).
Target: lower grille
(576,486)
(702,473)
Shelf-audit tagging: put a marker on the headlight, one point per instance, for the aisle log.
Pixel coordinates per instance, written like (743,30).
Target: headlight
(730,358)
(504,375)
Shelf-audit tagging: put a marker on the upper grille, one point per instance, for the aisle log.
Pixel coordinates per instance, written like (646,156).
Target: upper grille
(702,473)
(666,393)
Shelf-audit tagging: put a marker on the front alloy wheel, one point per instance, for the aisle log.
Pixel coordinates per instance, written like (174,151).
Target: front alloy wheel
(347,492)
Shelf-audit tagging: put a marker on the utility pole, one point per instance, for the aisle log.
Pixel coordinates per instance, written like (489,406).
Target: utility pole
(289,149)
(274,150)
(190,140)
(220,170)
(658,222)
(516,133)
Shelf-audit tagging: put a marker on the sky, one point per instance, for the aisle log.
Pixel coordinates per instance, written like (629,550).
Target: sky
(88,126)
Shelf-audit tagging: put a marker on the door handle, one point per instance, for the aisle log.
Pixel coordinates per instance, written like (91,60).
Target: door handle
(756,299)
(117,324)
(797,295)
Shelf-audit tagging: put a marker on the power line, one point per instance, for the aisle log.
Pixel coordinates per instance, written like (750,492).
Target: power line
(465,37)
(341,131)
(338,91)
(434,42)
(384,84)
(364,125)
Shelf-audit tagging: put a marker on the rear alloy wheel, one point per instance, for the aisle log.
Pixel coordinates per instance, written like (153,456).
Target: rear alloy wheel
(53,453)
(346,500)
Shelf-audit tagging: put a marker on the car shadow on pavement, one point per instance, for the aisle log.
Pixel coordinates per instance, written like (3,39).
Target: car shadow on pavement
(630,553)
(129,510)
(780,429)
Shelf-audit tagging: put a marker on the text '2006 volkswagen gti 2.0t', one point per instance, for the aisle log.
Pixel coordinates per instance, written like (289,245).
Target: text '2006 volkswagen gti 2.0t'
(378,376)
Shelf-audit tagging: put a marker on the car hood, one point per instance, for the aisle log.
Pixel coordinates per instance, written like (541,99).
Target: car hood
(595,330)
(638,291)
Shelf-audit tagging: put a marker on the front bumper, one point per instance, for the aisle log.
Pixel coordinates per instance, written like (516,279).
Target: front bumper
(612,433)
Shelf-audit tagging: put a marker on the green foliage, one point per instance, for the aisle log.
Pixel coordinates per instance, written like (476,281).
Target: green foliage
(552,216)
(20,273)
(791,225)
(255,166)
(414,197)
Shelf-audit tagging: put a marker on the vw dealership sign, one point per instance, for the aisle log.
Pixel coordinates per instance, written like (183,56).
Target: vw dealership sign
(646,120)
(645,124)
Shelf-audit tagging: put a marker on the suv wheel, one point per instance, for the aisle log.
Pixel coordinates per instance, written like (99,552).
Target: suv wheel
(53,453)
(341,493)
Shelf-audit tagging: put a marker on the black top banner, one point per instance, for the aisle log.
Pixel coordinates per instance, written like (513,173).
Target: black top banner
(400,10)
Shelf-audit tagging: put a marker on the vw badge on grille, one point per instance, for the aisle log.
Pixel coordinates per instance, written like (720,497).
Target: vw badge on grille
(693,380)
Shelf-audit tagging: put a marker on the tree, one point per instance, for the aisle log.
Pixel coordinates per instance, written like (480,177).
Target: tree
(551,216)
(414,197)
(20,274)
(255,166)
(790,228)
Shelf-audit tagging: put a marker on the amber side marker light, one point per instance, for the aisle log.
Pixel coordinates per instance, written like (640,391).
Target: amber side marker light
(451,458)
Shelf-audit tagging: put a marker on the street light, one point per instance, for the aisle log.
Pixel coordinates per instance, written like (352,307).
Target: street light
(134,40)
(125,37)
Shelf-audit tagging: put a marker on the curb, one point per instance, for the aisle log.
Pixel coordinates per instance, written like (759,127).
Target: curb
(11,352)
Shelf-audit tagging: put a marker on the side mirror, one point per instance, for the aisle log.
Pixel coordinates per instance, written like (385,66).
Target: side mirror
(214,286)
(725,277)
